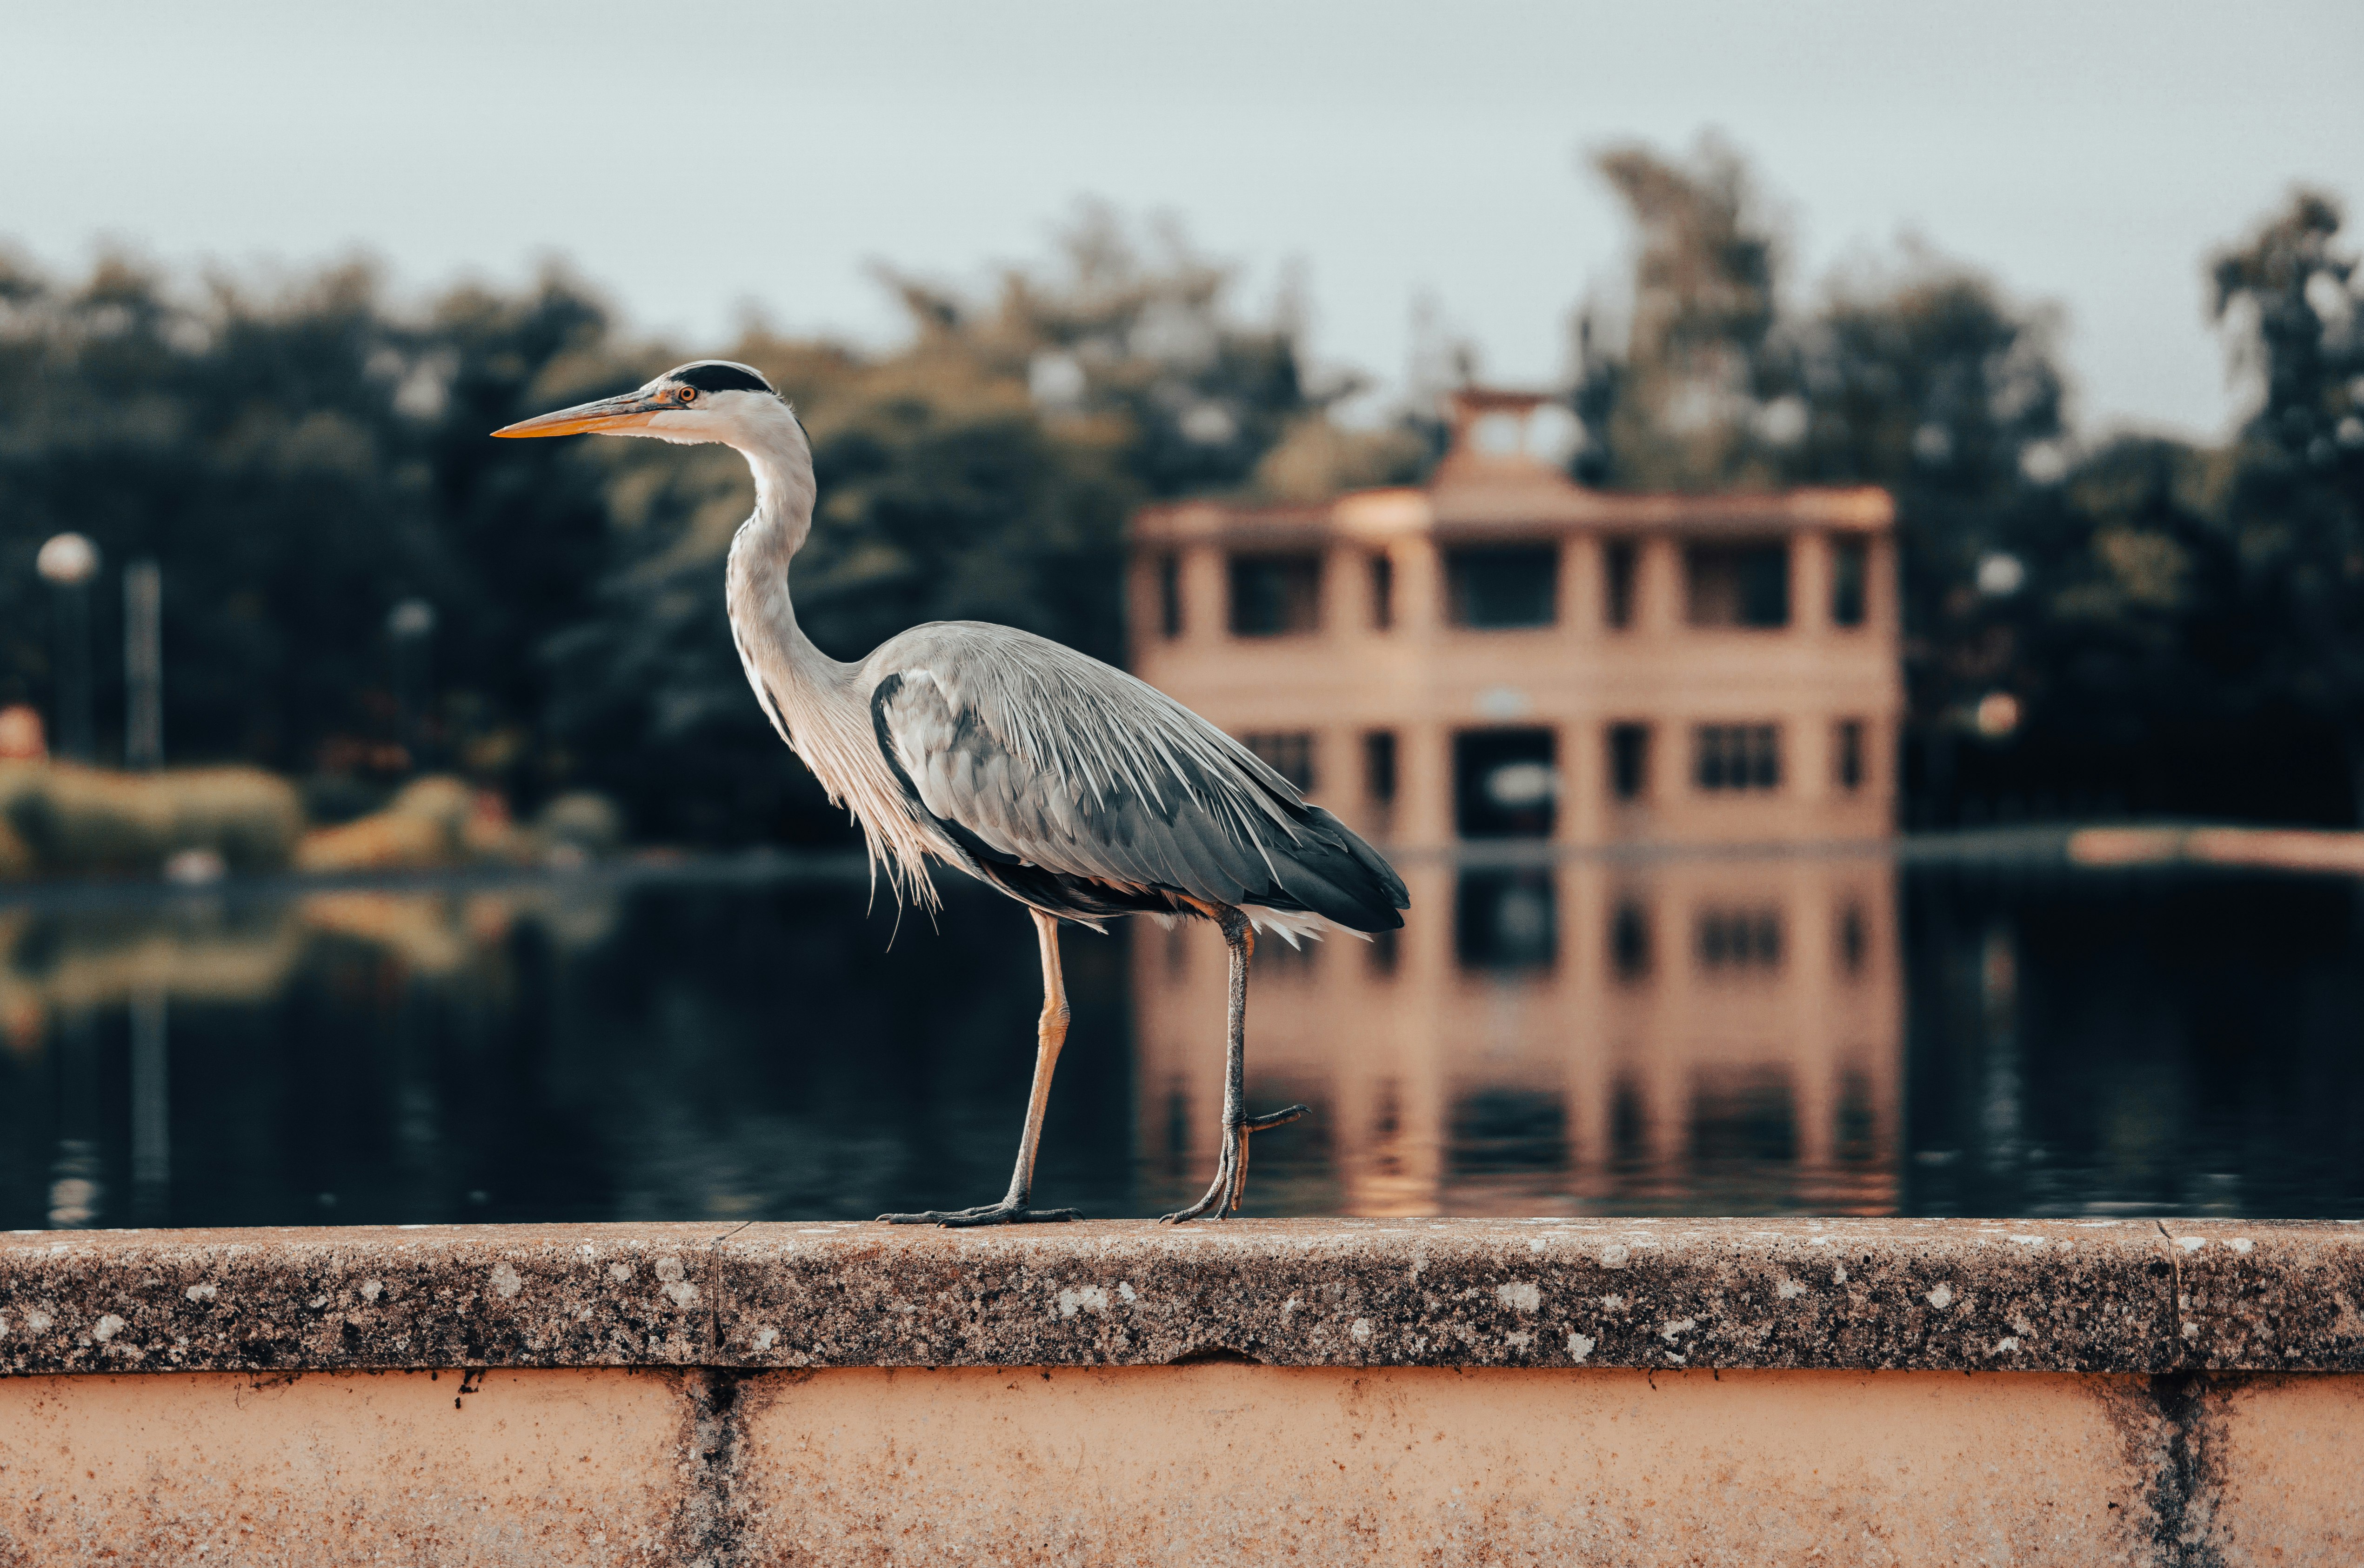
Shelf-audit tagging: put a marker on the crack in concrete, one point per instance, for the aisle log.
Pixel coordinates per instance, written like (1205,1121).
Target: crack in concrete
(2188,1482)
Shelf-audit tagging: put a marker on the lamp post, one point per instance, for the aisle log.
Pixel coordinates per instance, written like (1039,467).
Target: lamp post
(143,666)
(143,749)
(410,626)
(67,564)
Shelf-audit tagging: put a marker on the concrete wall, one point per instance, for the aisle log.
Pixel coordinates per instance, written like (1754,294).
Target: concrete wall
(1316,1392)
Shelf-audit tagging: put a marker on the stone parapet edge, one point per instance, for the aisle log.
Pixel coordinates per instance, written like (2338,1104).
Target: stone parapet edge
(2116,1295)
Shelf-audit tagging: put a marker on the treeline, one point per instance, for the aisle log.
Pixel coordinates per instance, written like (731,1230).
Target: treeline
(303,462)
(2178,629)
(2174,628)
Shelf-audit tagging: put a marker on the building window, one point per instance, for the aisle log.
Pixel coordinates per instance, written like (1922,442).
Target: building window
(1169,594)
(1273,596)
(1739,939)
(1739,584)
(1505,919)
(1846,754)
(1629,761)
(1737,756)
(1854,939)
(1629,1126)
(1617,596)
(1289,753)
(1850,570)
(1855,1123)
(1499,587)
(1506,1129)
(1629,941)
(1505,783)
(1380,767)
(1743,1115)
(1383,591)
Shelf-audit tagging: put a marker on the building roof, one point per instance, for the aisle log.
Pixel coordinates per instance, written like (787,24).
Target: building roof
(1489,482)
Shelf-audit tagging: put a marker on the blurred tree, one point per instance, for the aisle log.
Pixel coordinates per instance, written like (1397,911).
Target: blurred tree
(1676,408)
(2288,301)
(306,459)
(299,463)
(1922,377)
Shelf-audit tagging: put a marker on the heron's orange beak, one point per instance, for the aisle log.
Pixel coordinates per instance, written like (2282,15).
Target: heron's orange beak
(607,414)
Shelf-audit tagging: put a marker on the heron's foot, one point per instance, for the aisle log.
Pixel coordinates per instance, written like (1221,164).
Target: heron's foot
(1231,1183)
(1002,1213)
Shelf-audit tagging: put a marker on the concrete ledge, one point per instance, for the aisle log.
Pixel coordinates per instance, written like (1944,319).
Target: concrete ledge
(2135,1296)
(1459,1392)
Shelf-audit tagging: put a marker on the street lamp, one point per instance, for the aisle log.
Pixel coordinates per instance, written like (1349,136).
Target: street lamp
(67,564)
(143,666)
(410,626)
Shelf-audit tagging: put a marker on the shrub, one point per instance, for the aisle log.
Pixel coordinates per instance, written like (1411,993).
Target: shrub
(75,821)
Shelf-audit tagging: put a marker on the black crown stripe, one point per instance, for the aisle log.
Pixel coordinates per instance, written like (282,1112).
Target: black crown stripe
(715,376)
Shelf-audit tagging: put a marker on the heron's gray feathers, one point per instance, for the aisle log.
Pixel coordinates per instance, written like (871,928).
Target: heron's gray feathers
(1035,759)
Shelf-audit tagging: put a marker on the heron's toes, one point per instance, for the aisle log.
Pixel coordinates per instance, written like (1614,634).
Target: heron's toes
(985,1214)
(1001,1216)
(1281,1118)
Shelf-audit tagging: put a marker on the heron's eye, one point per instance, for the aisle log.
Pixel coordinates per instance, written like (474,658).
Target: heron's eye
(687,394)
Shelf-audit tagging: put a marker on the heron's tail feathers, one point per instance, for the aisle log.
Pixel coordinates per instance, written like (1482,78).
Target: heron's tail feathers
(1330,872)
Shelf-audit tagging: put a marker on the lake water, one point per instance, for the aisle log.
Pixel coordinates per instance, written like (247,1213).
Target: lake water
(1728,1035)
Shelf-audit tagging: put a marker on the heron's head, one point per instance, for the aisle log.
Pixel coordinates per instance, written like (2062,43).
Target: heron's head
(707,400)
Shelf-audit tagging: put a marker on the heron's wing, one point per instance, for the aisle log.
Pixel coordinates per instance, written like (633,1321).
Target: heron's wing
(1035,755)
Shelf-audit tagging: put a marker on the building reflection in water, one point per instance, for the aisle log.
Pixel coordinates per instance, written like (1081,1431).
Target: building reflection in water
(1661,1035)
(1581,718)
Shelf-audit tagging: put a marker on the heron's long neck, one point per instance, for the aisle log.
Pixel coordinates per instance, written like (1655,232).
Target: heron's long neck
(786,666)
(820,707)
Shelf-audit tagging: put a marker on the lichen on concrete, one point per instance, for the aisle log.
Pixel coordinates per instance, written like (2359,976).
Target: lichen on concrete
(2061,1296)
(355,1298)
(2268,1294)
(1457,1292)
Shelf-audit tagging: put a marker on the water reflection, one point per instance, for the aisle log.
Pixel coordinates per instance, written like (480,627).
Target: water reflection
(1708,1035)
(1717,1035)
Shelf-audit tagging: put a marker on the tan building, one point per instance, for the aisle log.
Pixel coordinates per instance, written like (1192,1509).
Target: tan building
(1507,654)
(1515,685)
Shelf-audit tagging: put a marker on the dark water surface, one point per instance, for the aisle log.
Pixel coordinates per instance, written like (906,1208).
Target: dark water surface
(1713,1036)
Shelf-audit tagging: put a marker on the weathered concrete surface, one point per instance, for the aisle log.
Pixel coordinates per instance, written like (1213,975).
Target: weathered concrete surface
(1440,1391)
(1870,1293)
(2098,1296)
(2262,1295)
(1215,1463)
(1206,1463)
(394,1296)
(2284,1469)
(503,1468)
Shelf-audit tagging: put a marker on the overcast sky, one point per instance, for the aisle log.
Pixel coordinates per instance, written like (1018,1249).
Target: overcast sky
(694,156)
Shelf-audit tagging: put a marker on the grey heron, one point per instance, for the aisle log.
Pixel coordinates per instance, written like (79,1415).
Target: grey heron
(1069,785)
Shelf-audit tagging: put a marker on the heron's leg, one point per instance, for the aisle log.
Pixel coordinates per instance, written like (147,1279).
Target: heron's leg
(1050,1034)
(1231,1164)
